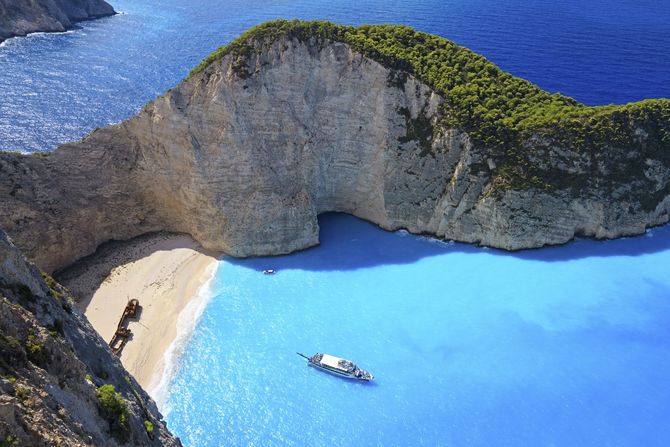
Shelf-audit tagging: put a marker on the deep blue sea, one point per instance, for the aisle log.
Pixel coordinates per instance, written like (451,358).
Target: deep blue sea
(56,88)
(566,346)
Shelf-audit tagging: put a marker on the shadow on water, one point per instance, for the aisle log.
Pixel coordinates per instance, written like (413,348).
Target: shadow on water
(349,243)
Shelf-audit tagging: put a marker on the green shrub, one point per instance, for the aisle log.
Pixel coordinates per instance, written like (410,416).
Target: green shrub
(149,427)
(58,292)
(35,350)
(56,328)
(504,115)
(114,408)
(12,353)
(11,343)
(22,392)
(9,441)
(54,287)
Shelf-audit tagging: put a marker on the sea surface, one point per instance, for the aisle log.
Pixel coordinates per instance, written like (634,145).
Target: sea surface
(56,88)
(566,346)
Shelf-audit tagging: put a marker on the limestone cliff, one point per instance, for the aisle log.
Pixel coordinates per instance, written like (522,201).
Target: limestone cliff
(401,128)
(20,17)
(54,366)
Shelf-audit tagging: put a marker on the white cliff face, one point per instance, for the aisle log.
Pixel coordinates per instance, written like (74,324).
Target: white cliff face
(257,159)
(246,154)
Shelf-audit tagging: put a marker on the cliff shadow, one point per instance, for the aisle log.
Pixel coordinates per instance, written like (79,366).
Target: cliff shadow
(349,243)
(84,277)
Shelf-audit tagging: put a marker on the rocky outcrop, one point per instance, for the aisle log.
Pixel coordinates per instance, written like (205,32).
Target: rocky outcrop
(20,17)
(53,365)
(247,152)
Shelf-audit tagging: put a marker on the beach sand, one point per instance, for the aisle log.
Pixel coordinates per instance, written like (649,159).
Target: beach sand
(163,271)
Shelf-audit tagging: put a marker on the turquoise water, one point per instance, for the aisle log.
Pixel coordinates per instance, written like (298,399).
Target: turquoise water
(566,346)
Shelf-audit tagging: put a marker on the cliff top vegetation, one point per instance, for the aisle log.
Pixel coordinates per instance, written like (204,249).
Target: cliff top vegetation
(499,111)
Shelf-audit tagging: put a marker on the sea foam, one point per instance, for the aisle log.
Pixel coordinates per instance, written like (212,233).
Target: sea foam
(186,323)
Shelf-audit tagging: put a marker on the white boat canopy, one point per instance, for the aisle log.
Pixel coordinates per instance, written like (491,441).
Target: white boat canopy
(332,361)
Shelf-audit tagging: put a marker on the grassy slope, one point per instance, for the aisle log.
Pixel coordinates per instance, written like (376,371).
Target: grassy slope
(499,111)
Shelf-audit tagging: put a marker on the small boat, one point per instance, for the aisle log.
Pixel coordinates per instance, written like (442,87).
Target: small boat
(269,271)
(337,366)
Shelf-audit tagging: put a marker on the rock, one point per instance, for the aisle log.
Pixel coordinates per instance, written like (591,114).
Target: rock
(20,17)
(47,349)
(245,153)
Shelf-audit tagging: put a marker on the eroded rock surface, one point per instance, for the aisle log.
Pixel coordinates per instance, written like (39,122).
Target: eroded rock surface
(246,153)
(51,364)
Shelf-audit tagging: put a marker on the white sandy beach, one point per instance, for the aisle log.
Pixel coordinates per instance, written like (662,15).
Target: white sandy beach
(164,272)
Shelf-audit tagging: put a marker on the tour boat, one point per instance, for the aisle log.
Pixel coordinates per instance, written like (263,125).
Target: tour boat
(337,366)
(269,271)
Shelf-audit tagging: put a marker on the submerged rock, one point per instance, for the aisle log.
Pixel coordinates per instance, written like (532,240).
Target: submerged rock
(20,17)
(401,128)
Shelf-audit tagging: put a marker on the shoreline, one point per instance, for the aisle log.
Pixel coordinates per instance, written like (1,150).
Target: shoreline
(73,26)
(170,275)
(187,321)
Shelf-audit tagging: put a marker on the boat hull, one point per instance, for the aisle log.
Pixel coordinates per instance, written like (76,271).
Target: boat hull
(337,373)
